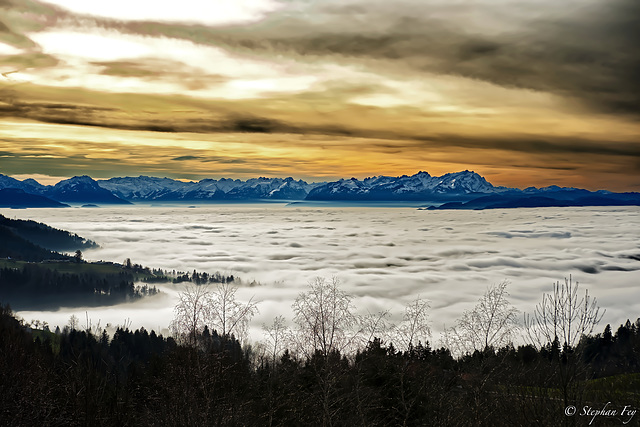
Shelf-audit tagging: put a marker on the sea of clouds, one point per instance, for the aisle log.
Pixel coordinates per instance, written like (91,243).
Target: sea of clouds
(384,257)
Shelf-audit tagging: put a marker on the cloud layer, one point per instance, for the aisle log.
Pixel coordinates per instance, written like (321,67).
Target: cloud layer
(533,93)
(385,257)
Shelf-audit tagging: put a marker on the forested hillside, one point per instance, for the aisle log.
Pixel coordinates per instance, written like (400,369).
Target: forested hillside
(16,247)
(52,285)
(44,235)
(76,377)
(33,275)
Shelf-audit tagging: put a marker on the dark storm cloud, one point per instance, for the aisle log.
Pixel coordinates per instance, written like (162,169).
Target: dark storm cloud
(109,118)
(161,69)
(592,58)
(125,69)
(18,18)
(211,159)
(53,112)
(29,60)
(256,125)
(540,145)
(246,123)
(180,158)
(224,160)
(589,56)
(229,122)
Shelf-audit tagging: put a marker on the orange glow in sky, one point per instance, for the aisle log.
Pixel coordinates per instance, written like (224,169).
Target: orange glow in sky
(320,90)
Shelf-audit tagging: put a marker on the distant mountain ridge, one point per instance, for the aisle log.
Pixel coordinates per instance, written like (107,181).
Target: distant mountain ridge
(18,198)
(459,190)
(421,186)
(144,188)
(79,189)
(33,241)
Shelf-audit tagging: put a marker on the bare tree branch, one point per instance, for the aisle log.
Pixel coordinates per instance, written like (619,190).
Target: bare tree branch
(491,323)
(562,315)
(215,307)
(414,327)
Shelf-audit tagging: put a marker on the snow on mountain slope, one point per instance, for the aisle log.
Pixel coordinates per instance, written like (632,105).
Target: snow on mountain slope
(459,186)
(30,186)
(405,187)
(145,188)
(81,189)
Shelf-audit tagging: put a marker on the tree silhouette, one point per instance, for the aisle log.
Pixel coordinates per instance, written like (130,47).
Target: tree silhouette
(563,315)
(325,318)
(192,313)
(214,306)
(561,320)
(491,323)
(414,327)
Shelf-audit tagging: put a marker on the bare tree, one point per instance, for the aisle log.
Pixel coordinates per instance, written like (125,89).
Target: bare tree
(326,323)
(559,322)
(74,323)
(228,315)
(276,336)
(414,327)
(563,315)
(374,325)
(217,307)
(325,318)
(192,312)
(491,323)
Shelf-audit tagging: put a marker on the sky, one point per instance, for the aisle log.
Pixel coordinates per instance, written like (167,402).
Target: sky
(524,92)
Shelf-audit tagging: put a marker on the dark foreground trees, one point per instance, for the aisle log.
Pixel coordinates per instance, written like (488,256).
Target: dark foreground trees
(141,378)
(33,286)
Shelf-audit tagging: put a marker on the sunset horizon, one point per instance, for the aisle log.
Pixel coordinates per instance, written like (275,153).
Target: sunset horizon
(523,94)
(53,180)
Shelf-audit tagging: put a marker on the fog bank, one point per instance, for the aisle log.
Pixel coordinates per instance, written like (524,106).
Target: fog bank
(385,257)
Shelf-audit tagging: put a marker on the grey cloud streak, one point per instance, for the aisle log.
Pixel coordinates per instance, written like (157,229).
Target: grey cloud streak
(222,121)
(583,50)
(588,55)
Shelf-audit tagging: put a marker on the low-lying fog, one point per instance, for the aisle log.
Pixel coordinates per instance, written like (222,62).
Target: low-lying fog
(385,257)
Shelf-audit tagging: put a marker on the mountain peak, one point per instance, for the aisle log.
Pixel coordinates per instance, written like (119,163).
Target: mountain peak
(80,179)
(82,189)
(455,186)
(420,186)
(33,182)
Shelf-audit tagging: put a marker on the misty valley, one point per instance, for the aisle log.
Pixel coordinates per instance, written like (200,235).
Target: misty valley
(274,314)
(385,257)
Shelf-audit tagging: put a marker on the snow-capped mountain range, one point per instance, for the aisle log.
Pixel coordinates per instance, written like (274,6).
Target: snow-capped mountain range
(460,190)
(144,188)
(420,186)
(79,189)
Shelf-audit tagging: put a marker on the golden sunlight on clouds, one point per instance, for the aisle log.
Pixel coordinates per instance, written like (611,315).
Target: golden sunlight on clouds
(42,179)
(171,66)
(197,156)
(320,89)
